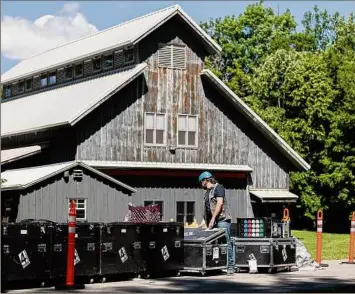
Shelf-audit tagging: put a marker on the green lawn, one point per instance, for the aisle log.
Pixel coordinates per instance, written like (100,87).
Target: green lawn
(335,246)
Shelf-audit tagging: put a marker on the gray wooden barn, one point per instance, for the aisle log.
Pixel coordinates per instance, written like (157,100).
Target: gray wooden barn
(45,192)
(135,102)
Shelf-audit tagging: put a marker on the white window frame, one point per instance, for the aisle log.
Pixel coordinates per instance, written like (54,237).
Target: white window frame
(93,63)
(187,127)
(82,69)
(154,132)
(76,206)
(103,61)
(124,55)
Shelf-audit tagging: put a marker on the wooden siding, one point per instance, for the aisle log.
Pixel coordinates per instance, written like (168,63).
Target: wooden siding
(170,190)
(49,200)
(115,130)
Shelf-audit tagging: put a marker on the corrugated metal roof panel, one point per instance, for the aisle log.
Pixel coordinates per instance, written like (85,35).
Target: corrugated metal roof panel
(274,195)
(257,121)
(64,105)
(26,177)
(18,153)
(167,165)
(118,36)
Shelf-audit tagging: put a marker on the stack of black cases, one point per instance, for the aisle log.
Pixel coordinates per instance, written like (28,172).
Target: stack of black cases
(204,250)
(275,250)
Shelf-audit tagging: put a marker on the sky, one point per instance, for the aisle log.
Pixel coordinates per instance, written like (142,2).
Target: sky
(30,27)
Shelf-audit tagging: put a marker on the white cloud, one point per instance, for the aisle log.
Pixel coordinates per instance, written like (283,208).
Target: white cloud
(21,38)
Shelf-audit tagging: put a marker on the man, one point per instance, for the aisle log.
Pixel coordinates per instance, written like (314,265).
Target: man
(217,212)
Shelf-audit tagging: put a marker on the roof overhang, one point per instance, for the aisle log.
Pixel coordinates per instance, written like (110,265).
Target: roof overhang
(73,102)
(10,155)
(19,179)
(256,120)
(167,166)
(273,195)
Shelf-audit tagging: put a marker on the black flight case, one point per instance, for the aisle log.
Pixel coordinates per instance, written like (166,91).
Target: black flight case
(204,250)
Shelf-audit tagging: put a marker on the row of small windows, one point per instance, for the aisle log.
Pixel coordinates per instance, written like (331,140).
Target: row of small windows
(155,129)
(104,62)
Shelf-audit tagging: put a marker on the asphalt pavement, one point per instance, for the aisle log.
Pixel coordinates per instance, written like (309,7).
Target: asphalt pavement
(335,278)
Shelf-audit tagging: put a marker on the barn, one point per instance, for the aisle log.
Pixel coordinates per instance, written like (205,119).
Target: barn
(136,103)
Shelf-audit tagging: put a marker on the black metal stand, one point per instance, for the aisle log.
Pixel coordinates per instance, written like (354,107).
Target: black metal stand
(69,287)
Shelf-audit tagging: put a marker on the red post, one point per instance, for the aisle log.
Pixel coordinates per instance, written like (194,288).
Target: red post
(71,244)
(319,236)
(352,239)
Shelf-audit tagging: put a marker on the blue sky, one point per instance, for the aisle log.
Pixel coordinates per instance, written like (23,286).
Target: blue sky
(98,15)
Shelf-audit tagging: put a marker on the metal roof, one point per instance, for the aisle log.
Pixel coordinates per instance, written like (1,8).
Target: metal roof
(166,165)
(64,105)
(19,153)
(26,177)
(257,121)
(274,195)
(124,34)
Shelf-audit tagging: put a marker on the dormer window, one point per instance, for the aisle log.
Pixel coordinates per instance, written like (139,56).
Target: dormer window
(44,80)
(78,70)
(52,79)
(28,84)
(68,73)
(107,61)
(7,91)
(129,55)
(21,86)
(96,64)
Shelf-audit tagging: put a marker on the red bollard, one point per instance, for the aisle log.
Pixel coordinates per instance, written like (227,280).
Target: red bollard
(319,236)
(352,240)
(69,283)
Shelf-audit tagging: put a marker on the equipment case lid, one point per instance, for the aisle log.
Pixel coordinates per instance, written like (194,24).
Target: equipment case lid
(204,236)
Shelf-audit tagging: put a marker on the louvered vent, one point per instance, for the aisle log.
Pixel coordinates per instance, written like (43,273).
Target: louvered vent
(118,59)
(179,57)
(77,174)
(172,56)
(36,82)
(165,56)
(60,75)
(87,67)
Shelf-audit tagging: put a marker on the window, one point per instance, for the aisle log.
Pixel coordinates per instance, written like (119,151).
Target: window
(44,81)
(68,73)
(7,91)
(21,86)
(28,84)
(96,64)
(52,78)
(80,208)
(155,128)
(159,203)
(185,211)
(78,70)
(129,55)
(172,56)
(107,61)
(187,130)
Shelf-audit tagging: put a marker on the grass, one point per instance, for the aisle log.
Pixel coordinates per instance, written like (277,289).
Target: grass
(334,246)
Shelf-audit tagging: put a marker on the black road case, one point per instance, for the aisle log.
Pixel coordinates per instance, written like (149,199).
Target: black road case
(87,250)
(26,251)
(120,248)
(270,253)
(163,251)
(205,250)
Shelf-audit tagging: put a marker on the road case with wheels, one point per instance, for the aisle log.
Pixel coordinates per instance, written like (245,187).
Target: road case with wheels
(269,253)
(205,250)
